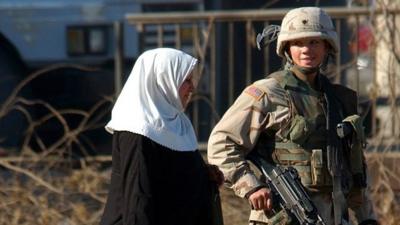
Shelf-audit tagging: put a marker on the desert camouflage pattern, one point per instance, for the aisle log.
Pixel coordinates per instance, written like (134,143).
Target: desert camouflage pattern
(285,127)
(306,22)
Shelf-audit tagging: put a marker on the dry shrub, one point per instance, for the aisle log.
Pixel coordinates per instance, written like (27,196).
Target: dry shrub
(385,188)
(64,196)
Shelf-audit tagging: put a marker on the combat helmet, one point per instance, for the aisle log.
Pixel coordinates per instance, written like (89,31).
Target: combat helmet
(306,22)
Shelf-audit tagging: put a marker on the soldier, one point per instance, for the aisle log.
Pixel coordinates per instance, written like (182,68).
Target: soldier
(290,118)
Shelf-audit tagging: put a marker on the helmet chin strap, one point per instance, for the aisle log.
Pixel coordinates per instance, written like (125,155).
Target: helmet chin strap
(306,70)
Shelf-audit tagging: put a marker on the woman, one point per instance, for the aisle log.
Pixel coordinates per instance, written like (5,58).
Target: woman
(289,119)
(158,176)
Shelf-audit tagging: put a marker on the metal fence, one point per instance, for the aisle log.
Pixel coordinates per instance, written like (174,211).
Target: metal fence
(224,41)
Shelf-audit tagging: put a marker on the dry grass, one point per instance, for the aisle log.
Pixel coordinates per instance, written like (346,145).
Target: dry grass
(62,195)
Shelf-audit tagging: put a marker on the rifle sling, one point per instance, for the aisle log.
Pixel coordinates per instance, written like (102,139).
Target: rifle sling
(334,151)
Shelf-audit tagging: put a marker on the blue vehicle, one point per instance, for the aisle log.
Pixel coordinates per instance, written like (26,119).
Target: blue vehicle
(42,32)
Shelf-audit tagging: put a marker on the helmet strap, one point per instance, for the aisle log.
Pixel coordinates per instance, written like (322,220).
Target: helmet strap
(325,62)
(303,70)
(289,61)
(306,70)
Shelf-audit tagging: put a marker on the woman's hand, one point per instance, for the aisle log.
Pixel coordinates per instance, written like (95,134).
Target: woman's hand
(261,199)
(215,174)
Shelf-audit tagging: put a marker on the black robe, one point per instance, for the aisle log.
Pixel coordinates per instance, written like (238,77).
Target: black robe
(154,185)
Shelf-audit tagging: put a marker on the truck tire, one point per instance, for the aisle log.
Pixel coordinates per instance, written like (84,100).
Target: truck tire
(11,73)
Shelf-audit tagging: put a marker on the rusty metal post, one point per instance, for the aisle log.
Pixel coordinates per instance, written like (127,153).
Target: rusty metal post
(160,36)
(248,52)
(266,56)
(374,85)
(177,36)
(357,54)
(195,114)
(213,72)
(394,81)
(231,65)
(337,59)
(118,56)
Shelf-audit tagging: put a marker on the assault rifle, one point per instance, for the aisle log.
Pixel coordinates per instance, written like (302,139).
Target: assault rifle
(287,192)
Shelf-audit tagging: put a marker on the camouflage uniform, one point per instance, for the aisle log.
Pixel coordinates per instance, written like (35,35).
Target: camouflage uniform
(283,119)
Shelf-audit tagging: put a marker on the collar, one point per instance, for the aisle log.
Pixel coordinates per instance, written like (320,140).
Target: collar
(291,82)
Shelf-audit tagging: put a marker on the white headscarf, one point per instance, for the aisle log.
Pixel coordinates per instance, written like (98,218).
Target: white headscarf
(149,103)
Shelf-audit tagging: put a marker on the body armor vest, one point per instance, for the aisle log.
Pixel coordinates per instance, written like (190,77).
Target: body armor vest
(301,142)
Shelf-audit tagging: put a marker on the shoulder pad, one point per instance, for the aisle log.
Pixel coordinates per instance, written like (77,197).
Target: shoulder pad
(280,76)
(272,89)
(268,84)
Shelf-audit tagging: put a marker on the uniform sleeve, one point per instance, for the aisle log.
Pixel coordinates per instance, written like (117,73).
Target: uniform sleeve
(236,134)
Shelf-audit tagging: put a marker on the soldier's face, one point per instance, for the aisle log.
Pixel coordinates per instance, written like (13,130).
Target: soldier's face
(307,52)
(185,90)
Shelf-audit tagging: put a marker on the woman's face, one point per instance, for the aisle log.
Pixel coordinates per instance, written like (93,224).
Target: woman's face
(307,52)
(185,90)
